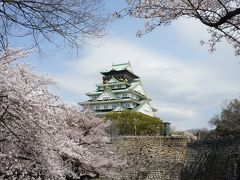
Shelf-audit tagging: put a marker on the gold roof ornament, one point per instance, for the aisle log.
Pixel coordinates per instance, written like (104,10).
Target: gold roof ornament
(106,87)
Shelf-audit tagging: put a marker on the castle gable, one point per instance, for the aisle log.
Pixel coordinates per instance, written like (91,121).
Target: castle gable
(145,108)
(137,86)
(107,95)
(113,80)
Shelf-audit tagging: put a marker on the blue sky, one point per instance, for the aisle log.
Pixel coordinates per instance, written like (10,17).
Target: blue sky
(187,84)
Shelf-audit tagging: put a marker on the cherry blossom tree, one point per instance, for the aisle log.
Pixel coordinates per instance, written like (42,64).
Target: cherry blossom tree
(57,21)
(222,17)
(43,138)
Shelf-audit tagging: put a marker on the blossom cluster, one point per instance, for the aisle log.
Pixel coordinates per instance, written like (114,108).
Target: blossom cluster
(42,138)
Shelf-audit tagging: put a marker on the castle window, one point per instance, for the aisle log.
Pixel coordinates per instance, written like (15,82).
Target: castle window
(105,106)
(97,107)
(106,98)
(127,105)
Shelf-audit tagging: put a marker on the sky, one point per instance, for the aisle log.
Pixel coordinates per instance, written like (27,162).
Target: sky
(187,84)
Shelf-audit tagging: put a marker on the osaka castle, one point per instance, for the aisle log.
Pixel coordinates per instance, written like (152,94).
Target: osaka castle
(120,90)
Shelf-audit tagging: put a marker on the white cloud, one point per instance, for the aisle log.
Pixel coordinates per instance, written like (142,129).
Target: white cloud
(184,92)
(191,31)
(178,112)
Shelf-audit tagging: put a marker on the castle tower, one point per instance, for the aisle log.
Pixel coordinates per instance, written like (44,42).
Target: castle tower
(121,89)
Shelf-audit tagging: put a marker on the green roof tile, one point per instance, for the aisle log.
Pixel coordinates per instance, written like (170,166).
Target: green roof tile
(119,67)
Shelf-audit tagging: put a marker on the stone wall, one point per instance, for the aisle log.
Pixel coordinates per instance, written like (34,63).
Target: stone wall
(158,158)
(172,158)
(217,159)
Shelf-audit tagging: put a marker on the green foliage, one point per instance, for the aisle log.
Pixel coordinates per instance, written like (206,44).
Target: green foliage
(135,123)
(203,133)
(228,122)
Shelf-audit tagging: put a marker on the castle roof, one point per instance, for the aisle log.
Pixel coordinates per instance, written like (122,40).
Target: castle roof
(131,88)
(124,68)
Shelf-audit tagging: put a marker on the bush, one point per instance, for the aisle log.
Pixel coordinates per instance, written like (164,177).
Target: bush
(228,122)
(134,123)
